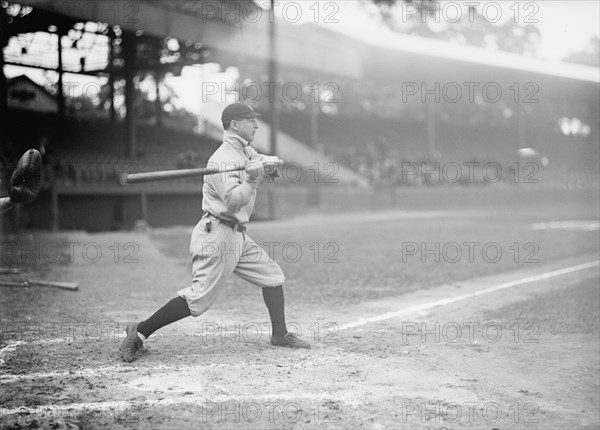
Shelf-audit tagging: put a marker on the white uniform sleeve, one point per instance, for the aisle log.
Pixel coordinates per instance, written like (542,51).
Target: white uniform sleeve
(270,173)
(253,153)
(235,191)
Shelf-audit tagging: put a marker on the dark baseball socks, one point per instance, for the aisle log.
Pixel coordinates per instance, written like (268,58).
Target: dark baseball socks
(275,302)
(173,311)
(178,309)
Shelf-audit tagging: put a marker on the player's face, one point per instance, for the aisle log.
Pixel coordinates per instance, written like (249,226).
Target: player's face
(245,128)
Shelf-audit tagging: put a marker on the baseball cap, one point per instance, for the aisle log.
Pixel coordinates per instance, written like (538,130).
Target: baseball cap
(238,110)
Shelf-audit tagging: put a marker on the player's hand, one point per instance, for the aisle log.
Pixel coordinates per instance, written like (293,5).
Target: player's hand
(271,161)
(254,171)
(270,164)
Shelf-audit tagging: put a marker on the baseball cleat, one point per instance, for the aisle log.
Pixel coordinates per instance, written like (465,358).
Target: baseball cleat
(291,340)
(131,344)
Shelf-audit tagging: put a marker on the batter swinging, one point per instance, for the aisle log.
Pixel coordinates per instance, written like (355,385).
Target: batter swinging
(219,244)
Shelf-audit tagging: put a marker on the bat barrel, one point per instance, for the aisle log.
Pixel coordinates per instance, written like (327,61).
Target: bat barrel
(71,286)
(134,178)
(54,284)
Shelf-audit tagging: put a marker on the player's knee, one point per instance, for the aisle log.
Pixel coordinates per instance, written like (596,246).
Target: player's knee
(199,305)
(199,299)
(276,280)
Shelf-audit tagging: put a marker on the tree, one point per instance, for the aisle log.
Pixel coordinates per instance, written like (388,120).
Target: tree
(473,28)
(589,56)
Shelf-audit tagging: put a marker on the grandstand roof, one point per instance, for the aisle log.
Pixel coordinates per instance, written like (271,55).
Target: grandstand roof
(233,38)
(407,44)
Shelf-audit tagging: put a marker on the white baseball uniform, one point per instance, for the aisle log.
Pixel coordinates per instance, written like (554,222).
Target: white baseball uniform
(217,249)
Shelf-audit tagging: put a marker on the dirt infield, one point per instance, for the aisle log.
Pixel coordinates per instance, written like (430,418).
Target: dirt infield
(406,333)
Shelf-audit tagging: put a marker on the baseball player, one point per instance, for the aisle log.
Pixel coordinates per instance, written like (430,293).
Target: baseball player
(219,245)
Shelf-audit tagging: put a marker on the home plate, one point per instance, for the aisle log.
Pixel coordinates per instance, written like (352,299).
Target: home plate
(180,382)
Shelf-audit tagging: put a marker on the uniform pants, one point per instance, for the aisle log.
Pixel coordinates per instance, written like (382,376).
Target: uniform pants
(218,253)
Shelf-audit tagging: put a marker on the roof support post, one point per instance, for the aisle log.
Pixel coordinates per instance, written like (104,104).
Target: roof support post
(157,101)
(273,79)
(111,95)
(129,55)
(431,128)
(3,89)
(521,117)
(60,93)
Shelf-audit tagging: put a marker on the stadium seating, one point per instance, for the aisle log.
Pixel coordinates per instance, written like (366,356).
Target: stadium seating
(376,146)
(93,152)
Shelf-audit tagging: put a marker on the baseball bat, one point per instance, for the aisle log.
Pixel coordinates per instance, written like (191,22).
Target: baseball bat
(71,286)
(163,175)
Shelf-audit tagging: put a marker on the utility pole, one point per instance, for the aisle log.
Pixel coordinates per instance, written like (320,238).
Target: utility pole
(273,79)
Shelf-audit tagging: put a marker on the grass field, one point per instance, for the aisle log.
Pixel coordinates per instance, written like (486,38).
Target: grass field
(407,328)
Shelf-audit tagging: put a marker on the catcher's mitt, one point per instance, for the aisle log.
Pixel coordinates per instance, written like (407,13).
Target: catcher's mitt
(26,178)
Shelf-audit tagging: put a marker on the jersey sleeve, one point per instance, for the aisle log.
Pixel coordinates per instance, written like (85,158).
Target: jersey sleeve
(234,191)
(257,156)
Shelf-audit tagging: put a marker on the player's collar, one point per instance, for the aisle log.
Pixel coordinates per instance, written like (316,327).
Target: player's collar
(235,140)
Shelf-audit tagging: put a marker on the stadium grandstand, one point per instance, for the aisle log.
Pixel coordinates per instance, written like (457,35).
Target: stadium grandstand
(375,110)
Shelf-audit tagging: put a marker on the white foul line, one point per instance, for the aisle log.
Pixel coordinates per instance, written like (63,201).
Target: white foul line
(388,315)
(567,225)
(208,405)
(424,306)
(117,406)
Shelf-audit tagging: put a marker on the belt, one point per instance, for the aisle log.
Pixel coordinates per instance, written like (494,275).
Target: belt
(232,225)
